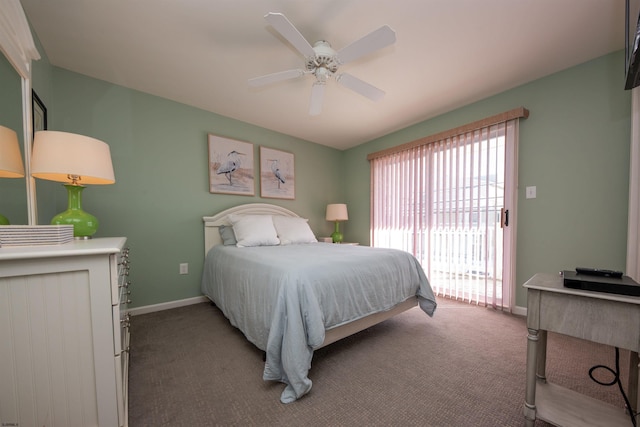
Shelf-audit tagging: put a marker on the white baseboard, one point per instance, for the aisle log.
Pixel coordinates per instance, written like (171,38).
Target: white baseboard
(517,310)
(520,311)
(167,305)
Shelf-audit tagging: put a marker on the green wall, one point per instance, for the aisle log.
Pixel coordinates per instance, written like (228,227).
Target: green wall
(574,148)
(159,152)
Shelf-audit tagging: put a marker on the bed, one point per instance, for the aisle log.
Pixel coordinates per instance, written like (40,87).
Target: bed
(291,295)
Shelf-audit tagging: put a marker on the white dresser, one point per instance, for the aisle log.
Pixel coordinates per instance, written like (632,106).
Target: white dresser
(64,334)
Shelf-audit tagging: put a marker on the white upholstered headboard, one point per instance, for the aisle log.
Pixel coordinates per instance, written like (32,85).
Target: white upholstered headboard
(211,223)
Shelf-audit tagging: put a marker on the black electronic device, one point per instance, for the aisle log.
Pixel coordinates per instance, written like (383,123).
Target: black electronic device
(632,45)
(621,285)
(598,272)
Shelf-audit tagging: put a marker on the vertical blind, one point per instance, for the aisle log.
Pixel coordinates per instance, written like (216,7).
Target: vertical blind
(443,199)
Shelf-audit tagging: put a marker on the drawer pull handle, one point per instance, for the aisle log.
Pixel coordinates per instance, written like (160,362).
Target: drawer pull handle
(127,318)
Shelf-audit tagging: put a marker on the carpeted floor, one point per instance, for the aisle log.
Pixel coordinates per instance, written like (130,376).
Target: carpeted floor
(463,367)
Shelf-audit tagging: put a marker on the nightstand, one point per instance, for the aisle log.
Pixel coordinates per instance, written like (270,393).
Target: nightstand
(591,316)
(349,243)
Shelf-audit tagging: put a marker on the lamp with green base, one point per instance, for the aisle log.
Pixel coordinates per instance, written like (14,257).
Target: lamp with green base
(337,212)
(10,159)
(75,160)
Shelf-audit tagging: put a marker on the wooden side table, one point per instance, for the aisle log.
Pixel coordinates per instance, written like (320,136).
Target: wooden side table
(594,316)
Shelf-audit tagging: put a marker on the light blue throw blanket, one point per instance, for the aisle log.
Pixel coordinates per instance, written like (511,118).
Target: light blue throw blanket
(283,298)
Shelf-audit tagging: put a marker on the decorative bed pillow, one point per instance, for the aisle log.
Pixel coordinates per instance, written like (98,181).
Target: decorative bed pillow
(254,230)
(293,230)
(227,235)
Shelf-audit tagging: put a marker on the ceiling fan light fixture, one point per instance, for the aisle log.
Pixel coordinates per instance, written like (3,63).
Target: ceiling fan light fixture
(323,61)
(324,56)
(322,75)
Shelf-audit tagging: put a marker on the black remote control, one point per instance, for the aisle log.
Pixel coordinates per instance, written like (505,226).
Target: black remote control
(598,272)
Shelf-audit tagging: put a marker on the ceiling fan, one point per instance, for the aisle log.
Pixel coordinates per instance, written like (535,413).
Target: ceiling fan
(323,62)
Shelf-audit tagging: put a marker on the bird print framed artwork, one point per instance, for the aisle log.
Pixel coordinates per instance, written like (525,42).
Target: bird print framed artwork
(231,169)
(277,174)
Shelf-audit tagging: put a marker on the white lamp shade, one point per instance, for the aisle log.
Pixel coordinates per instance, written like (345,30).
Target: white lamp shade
(57,155)
(337,212)
(11,165)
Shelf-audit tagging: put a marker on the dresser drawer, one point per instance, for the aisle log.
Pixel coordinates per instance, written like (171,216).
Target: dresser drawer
(122,371)
(120,276)
(124,296)
(120,313)
(122,386)
(120,330)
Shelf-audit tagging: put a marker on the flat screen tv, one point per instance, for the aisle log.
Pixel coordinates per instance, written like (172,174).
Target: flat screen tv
(632,44)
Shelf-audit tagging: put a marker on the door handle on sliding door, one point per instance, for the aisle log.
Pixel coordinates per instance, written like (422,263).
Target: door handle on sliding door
(504,218)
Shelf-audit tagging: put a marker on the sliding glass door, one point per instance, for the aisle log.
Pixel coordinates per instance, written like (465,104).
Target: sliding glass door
(450,203)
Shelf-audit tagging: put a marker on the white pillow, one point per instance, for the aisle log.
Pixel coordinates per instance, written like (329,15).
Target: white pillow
(293,230)
(254,230)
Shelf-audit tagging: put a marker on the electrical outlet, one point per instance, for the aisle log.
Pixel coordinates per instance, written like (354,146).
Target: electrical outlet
(184,268)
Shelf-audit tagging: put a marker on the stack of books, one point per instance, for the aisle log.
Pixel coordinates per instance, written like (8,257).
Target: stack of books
(32,235)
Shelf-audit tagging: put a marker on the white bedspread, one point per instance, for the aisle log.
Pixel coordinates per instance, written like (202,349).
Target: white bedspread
(283,298)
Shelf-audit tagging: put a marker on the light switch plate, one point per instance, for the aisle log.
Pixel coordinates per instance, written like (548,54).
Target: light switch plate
(531,192)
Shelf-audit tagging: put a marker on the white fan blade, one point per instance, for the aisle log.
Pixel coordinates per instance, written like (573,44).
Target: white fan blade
(289,32)
(360,86)
(382,37)
(275,77)
(317,94)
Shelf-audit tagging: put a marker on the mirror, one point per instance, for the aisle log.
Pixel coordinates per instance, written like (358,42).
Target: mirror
(13,191)
(18,47)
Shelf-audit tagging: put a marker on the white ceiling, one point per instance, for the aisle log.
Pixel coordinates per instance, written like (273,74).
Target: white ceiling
(448,53)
